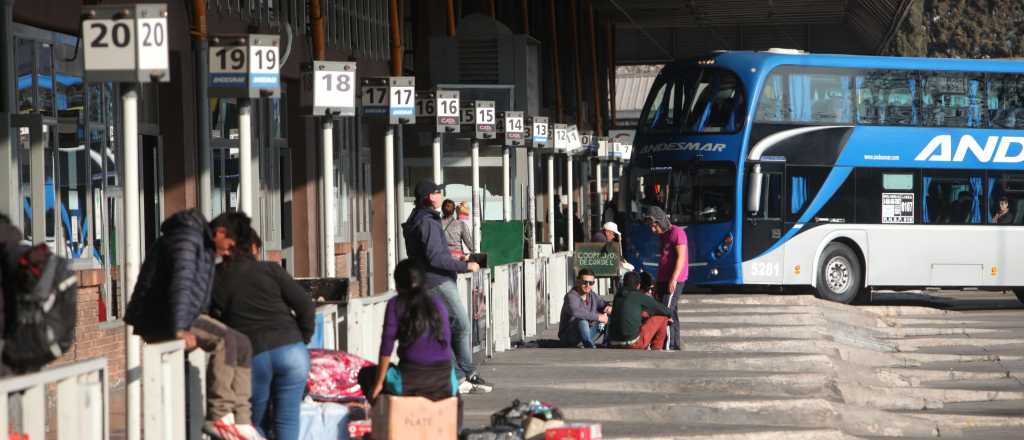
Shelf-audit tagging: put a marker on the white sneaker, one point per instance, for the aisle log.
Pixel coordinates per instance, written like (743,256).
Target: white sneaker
(249,432)
(465,387)
(223,428)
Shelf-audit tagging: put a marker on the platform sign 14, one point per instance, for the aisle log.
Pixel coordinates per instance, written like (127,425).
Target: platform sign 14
(126,43)
(514,130)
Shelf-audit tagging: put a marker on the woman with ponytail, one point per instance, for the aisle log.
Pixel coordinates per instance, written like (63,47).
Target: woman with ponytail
(419,323)
(260,300)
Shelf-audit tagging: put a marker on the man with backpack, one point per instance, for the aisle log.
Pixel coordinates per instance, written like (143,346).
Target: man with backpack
(171,300)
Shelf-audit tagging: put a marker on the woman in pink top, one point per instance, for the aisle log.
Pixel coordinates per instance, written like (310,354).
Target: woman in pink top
(673,266)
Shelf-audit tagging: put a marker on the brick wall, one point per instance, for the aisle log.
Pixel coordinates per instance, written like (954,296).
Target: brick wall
(94,339)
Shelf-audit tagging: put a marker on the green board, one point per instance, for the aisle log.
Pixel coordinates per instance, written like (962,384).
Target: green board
(602,258)
(503,242)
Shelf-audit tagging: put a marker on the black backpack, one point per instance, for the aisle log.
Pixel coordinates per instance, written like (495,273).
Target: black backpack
(41,306)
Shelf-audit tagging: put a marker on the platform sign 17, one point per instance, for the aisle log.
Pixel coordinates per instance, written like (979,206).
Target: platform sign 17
(126,43)
(402,99)
(375,96)
(514,131)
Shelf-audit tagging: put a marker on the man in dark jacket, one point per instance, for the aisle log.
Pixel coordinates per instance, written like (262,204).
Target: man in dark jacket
(427,245)
(170,301)
(639,320)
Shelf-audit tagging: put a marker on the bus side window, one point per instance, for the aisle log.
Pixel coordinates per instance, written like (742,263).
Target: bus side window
(1006,198)
(952,198)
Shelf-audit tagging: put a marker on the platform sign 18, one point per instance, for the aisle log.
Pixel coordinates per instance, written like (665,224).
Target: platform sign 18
(126,43)
(485,119)
(447,108)
(329,88)
(245,66)
(540,131)
(402,99)
(515,133)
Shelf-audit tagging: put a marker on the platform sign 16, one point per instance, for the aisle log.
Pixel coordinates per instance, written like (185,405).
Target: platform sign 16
(514,130)
(426,104)
(329,88)
(402,99)
(126,43)
(540,131)
(447,108)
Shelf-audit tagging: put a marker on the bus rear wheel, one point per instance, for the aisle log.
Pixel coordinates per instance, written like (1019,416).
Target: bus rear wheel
(840,276)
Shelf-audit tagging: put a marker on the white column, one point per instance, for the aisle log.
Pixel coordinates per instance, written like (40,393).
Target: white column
(438,178)
(531,203)
(245,156)
(476,194)
(327,196)
(506,196)
(132,252)
(389,204)
(570,217)
(37,185)
(399,199)
(600,195)
(551,199)
(611,182)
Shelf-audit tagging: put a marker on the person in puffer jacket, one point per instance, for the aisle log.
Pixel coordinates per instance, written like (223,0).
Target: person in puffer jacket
(171,300)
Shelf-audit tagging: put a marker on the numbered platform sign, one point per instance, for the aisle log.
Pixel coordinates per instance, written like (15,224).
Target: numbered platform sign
(515,133)
(485,119)
(402,99)
(602,148)
(540,131)
(375,96)
(447,107)
(329,88)
(245,66)
(126,43)
(561,138)
(573,133)
(588,143)
(426,104)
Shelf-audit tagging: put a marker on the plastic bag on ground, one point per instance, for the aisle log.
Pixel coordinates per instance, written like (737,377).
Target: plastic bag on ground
(333,376)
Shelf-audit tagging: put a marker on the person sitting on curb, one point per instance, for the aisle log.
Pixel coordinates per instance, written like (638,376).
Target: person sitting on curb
(584,313)
(628,327)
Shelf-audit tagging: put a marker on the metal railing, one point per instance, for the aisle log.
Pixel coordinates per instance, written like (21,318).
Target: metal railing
(163,390)
(81,396)
(364,318)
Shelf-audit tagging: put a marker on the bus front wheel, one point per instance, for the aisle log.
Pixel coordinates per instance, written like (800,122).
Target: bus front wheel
(840,276)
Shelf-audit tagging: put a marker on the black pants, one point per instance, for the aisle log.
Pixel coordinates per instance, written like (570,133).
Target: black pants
(671,300)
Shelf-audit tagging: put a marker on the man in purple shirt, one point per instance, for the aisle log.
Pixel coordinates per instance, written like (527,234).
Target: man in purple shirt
(673,266)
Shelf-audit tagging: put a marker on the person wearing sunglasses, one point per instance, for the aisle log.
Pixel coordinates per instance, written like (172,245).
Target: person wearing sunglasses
(584,313)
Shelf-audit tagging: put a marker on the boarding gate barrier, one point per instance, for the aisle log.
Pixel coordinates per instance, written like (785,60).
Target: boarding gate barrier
(81,393)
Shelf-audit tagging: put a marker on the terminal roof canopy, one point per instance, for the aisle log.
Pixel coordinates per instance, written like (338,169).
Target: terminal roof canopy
(655,31)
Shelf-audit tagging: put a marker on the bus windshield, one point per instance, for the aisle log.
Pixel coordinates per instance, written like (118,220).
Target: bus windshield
(697,100)
(692,192)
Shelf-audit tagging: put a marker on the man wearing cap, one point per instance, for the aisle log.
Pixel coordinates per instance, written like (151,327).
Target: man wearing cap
(673,266)
(609,232)
(426,243)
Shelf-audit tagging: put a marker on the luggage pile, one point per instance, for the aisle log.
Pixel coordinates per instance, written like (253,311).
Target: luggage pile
(533,420)
(335,407)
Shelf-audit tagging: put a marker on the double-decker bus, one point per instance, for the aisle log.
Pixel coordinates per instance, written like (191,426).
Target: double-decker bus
(840,172)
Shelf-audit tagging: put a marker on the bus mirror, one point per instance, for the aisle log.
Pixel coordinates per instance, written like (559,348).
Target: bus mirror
(754,190)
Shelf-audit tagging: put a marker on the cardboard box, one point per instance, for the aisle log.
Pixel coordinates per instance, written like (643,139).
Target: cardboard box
(415,418)
(359,428)
(574,431)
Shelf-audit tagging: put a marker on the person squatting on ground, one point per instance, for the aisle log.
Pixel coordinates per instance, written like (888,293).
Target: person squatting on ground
(673,267)
(419,323)
(427,246)
(639,321)
(263,302)
(584,313)
(171,300)
(457,232)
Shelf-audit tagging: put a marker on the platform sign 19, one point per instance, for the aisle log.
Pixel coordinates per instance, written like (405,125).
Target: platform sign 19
(515,133)
(126,43)
(244,66)
(447,108)
(402,99)
(485,119)
(540,131)
(329,88)
(374,100)
(561,132)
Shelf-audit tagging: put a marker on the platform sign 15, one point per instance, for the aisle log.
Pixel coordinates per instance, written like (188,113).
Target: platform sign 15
(514,131)
(540,131)
(447,108)
(245,66)
(402,99)
(329,88)
(126,43)
(485,119)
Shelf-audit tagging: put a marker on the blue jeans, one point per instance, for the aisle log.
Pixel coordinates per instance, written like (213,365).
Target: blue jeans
(587,334)
(279,378)
(462,335)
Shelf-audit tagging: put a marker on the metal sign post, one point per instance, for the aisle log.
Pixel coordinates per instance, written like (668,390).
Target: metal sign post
(602,146)
(328,90)
(571,147)
(562,146)
(128,44)
(440,108)
(514,135)
(245,67)
(538,138)
(485,127)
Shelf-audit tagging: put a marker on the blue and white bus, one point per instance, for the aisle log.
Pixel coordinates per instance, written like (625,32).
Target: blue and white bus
(840,172)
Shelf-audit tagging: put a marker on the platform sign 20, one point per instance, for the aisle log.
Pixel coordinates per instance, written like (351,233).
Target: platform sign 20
(126,43)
